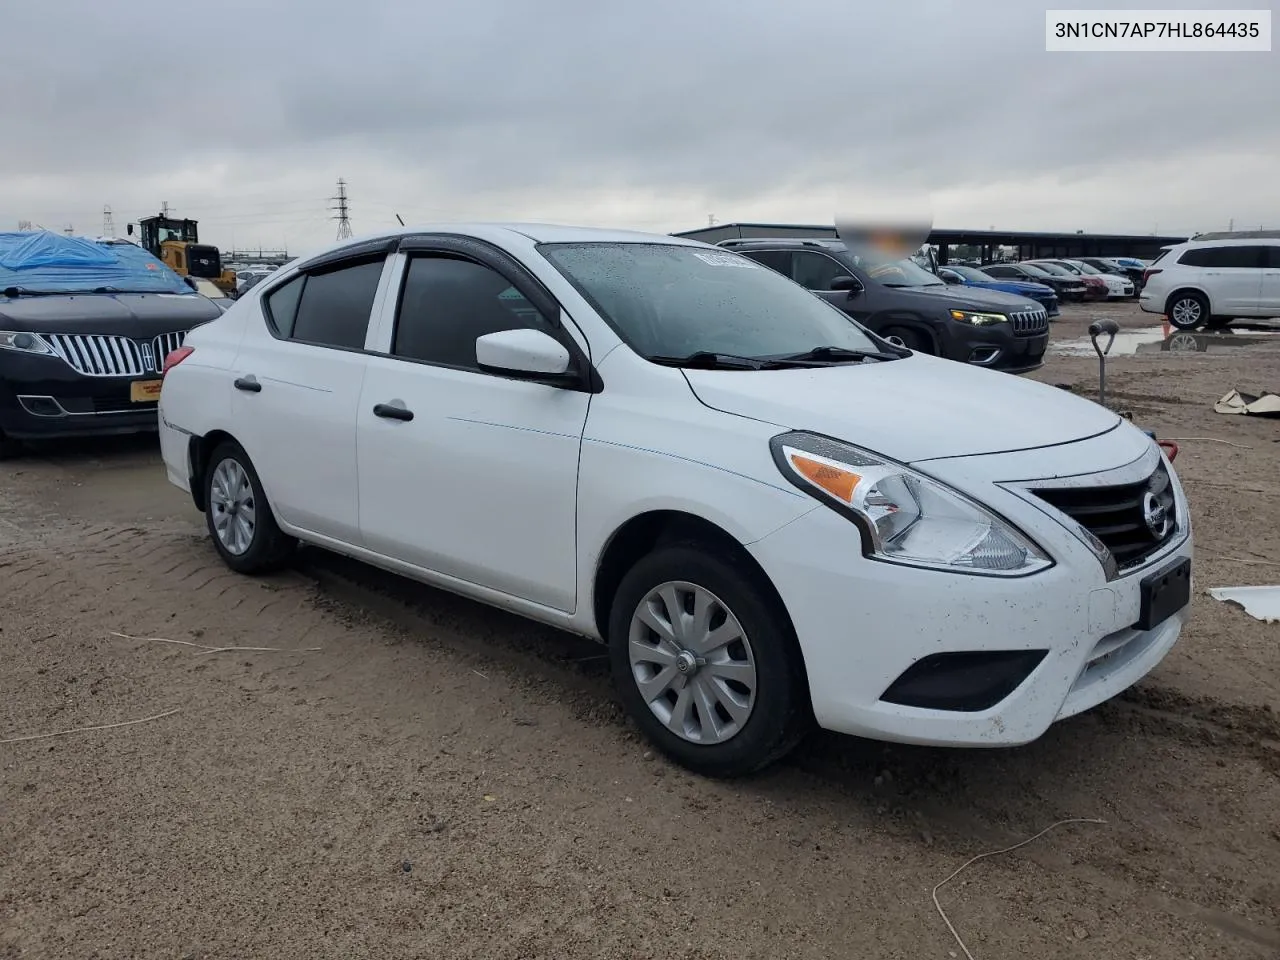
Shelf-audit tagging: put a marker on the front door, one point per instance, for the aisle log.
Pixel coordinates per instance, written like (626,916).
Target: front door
(462,472)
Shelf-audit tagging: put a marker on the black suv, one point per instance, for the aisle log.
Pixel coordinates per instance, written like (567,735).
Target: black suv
(906,304)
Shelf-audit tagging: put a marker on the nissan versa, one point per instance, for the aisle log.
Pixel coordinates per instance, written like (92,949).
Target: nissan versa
(770,515)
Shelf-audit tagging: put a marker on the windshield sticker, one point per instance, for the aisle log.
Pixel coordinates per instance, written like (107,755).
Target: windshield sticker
(724,260)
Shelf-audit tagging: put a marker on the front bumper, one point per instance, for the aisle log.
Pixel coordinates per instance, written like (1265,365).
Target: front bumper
(42,397)
(996,347)
(863,624)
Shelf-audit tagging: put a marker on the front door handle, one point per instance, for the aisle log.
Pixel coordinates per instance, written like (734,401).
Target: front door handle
(248,384)
(392,412)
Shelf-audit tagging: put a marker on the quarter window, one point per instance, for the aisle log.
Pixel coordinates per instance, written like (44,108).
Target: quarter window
(282,306)
(448,303)
(334,306)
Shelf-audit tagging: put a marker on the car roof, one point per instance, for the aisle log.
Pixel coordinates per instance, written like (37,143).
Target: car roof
(538,232)
(734,243)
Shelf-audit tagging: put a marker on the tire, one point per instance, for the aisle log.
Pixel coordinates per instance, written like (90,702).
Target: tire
(761,673)
(230,481)
(1187,309)
(9,448)
(909,338)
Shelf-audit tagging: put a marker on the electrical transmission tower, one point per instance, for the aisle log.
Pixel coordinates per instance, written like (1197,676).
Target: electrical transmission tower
(70,230)
(24,226)
(108,223)
(343,211)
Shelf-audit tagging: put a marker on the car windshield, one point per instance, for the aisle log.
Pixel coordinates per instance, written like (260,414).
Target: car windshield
(1033,271)
(672,301)
(971,273)
(893,272)
(1087,268)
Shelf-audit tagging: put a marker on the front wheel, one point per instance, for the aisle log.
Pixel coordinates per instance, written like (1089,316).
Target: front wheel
(240,520)
(1188,310)
(706,663)
(909,338)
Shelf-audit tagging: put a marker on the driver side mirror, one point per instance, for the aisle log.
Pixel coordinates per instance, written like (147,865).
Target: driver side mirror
(847,283)
(526,354)
(952,279)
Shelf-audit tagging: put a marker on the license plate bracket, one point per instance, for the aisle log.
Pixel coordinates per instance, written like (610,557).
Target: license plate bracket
(144,391)
(1164,593)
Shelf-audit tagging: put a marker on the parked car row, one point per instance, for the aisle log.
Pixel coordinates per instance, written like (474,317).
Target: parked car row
(769,515)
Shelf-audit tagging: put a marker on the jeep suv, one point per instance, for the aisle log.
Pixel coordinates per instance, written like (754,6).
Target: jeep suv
(1212,282)
(907,305)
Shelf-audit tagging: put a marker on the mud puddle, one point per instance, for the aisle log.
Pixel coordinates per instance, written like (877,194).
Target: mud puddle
(1166,339)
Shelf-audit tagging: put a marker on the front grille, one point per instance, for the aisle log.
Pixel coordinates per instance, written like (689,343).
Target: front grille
(95,355)
(1126,518)
(165,344)
(98,355)
(1029,323)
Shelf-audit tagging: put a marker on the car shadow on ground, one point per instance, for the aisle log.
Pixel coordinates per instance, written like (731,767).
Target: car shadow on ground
(1100,764)
(126,450)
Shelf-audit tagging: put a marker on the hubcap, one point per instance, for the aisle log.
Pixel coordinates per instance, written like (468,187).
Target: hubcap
(692,663)
(234,511)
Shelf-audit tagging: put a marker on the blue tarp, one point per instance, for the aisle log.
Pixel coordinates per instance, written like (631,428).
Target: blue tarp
(47,262)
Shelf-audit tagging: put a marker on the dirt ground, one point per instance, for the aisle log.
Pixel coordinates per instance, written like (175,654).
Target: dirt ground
(413,775)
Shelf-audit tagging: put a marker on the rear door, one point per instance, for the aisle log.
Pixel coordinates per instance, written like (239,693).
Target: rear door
(297,383)
(1231,274)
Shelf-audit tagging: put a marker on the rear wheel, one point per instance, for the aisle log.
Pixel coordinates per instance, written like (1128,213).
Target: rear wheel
(240,520)
(909,338)
(1186,310)
(705,662)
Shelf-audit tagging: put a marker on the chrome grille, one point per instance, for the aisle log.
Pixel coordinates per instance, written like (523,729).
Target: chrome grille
(165,344)
(1029,323)
(96,355)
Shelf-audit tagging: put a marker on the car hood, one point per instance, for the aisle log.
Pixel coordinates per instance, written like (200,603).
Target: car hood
(121,314)
(918,408)
(947,297)
(1020,287)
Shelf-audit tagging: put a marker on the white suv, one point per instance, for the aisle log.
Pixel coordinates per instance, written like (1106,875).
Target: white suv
(675,450)
(1212,282)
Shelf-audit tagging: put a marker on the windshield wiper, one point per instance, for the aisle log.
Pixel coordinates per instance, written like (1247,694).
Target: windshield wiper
(838,354)
(709,360)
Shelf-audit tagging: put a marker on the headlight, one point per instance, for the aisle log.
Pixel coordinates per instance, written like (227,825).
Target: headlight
(905,517)
(24,342)
(978,319)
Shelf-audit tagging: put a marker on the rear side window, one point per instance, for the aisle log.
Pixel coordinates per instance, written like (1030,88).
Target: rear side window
(779,260)
(1224,257)
(1273,257)
(335,305)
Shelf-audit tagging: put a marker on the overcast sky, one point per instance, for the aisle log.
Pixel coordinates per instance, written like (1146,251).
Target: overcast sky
(651,115)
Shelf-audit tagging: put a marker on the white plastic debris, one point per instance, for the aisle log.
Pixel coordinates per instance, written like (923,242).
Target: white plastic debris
(1261,603)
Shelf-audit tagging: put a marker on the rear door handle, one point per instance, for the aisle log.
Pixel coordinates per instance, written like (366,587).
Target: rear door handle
(248,384)
(390,411)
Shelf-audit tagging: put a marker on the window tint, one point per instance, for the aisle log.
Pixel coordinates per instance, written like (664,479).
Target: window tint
(1223,257)
(282,305)
(334,309)
(779,260)
(448,303)
(995,271)
(815,271)
(1273,257)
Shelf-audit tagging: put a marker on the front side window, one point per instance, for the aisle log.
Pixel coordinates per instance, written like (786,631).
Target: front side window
(448,303)
(815,271)
(670,300)
(334,307)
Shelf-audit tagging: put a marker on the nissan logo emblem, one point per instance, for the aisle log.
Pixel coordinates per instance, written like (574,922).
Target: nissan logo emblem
(1156,515)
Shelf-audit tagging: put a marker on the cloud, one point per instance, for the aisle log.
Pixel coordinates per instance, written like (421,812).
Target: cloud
(649,115)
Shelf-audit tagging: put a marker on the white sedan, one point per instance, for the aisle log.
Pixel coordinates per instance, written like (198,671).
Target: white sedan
(768,514)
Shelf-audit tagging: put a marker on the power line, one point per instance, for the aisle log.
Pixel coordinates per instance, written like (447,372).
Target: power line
(343,217)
